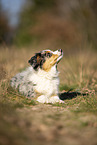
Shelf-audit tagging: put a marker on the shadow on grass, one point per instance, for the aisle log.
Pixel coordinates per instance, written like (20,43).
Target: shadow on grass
(70,95)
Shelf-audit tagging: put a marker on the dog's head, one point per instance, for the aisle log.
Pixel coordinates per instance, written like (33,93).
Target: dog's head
(46,59)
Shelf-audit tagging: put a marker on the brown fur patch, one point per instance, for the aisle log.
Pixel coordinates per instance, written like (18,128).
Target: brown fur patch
(54,95)
(50,62)
(38,59)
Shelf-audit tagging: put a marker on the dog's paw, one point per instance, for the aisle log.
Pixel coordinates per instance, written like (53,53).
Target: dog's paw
(42,99)
(52,100)
(55,99)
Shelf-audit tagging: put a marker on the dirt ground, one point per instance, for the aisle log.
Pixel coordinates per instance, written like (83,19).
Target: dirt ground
(57,125)
(46,124)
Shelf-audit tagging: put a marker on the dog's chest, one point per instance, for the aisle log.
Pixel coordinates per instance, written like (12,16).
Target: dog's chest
(44,83)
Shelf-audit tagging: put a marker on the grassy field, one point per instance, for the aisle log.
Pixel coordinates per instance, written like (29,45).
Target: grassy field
(26,122)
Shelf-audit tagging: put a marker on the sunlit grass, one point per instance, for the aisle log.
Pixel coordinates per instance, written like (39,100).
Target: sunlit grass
(78,74)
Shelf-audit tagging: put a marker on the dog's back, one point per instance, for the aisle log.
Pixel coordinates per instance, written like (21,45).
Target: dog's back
(21,82)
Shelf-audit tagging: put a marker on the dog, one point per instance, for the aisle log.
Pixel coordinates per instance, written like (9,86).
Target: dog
(40,80)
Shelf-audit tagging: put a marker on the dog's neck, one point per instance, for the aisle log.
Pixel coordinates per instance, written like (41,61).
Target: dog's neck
(52,73)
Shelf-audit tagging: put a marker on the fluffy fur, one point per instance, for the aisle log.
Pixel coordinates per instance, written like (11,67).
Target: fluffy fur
(41,79)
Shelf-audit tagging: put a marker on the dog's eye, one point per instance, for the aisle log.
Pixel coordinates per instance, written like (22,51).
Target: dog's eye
(49,54)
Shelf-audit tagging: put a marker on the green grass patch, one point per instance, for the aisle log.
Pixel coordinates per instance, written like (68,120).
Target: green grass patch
(67,87)
(12,97)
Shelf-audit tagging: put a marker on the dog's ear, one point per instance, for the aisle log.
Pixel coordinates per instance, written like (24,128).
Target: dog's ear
(35,61)
(38,57)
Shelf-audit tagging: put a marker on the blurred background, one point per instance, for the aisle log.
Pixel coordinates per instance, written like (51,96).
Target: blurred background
(48,23)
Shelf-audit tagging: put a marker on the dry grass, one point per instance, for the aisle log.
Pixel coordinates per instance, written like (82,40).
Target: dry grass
(24,121)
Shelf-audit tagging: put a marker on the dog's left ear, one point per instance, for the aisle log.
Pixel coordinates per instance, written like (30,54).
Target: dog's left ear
(35,61)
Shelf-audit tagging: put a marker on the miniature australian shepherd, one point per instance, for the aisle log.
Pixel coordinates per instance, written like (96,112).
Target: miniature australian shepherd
(41,79)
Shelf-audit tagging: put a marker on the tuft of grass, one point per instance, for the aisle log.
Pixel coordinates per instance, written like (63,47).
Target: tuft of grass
(13,97)
(67,87)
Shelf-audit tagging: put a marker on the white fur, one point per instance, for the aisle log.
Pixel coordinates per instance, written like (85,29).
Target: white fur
(46,83)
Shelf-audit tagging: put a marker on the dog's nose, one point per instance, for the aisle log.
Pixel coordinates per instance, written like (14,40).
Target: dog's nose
(60,50)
